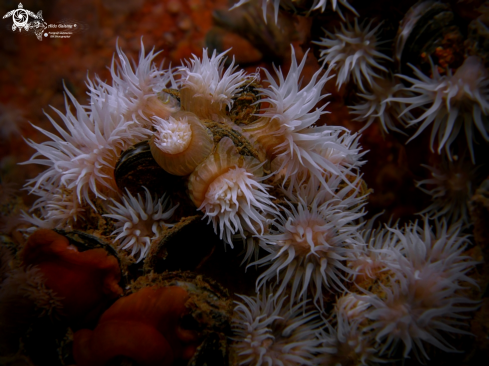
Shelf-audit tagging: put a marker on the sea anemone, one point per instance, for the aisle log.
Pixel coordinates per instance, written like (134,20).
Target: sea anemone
(180,143)
(267,331)
(344,342)
(353,52)
(317,5)
(227,188)
(285,128)
(84,157)
(451,190)
(377,105)
(430,246)
(311,242)
(426,293)
(451,102)
(135,90)
(58,209)
(380,252)
(206,89)
(139,221)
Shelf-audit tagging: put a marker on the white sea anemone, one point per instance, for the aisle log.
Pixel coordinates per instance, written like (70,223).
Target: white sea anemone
(84,157)
(140,221)
(134,90)
(316,5)
(206,89)
(59,209)
(440,247)
(344,342)
(378,255)
(425,297)
(309,244)
(451,102)
(450,188)
(285,128)
(377,105)
(269,332)
(227,188)
(353,52)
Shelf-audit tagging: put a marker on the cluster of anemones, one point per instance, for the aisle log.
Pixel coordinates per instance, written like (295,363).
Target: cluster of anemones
(354,54)
(311,235)
(421,288)
(81,161)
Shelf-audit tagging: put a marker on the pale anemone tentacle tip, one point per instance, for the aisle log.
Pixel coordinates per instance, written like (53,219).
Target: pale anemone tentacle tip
(316,5)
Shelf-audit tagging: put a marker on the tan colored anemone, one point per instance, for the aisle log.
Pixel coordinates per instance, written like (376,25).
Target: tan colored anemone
(180,143)
(227,188)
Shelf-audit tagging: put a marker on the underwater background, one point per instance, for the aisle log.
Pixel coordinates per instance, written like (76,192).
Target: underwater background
(196,277)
